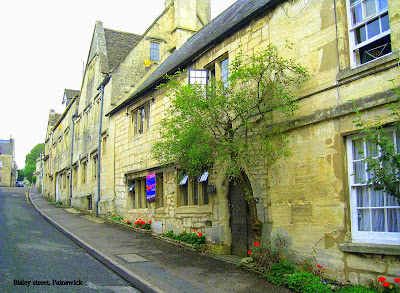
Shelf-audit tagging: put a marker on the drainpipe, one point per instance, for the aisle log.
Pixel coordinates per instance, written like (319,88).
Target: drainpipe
(101,88)
(72,158)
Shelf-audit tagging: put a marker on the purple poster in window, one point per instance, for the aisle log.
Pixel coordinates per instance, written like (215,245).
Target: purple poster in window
(151,187)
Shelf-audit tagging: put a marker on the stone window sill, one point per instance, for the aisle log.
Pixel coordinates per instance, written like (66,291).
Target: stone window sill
(161,210)
(370,248)
(369,66)
(194,209)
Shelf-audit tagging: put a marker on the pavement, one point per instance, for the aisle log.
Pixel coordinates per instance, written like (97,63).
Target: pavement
(147,262)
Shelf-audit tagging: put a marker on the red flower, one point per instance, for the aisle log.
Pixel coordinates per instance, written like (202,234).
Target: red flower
(386,284)
(194,231)
(249,252)
(141,227)
(200,234)
(127,222)
(397,280)
(323,269)
(140,219)
(183,233)
(381,279)
(256,243)
(319,266)
(150,222)
(135,218)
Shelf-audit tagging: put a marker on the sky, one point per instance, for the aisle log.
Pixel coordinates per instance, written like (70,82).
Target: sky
(44,45)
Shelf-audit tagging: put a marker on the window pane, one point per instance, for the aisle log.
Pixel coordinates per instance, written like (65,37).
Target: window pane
(377,198)
(385,22)
(364,221)
(360,35)
(184,192)
(205,193)
(362,196)
(372,149)
(382,4)
(139,193)
(373,28)
(196,191)
(378,220)
(358,149)
(155,51)
(356,12)
(391,201)
(370,8)
(359,172)
(393,220)
(225,71)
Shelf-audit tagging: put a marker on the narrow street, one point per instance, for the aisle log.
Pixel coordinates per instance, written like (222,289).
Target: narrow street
(35,257)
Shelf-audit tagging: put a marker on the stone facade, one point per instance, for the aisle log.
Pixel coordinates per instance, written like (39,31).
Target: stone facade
(8,168)
(123,59)
(39,171)
(308,195)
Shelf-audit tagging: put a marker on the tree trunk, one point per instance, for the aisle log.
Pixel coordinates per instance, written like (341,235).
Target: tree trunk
(245,186)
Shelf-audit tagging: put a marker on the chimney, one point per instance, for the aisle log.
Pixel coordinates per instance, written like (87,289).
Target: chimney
(189,17)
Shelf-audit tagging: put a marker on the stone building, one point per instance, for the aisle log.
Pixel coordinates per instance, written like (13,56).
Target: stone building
(351,49)
(39,171)
(8,167)
(80,142)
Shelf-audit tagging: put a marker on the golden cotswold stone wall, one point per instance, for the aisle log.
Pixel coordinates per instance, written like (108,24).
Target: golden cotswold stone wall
(7,170)
(125,69)
(307,193)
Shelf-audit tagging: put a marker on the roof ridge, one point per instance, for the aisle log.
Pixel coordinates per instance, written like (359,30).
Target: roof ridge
(119,31)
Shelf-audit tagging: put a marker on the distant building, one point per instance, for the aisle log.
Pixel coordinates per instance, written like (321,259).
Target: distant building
(39,171)
(8,167)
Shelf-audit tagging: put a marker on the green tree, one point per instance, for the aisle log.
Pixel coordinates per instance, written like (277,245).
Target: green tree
(34,154)
(383,159)
(21,175)
(222,123)
(30,161)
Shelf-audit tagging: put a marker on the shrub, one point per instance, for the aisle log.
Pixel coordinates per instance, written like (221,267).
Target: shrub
(276,250)
(305,283)
(191,238)
(278,271)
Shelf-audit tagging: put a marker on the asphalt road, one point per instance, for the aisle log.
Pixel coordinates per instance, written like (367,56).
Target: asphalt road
(35,257)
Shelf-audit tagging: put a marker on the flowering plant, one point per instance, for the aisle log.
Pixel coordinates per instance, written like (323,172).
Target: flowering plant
(386,286)
(116,218)
(142,224)
(195,238)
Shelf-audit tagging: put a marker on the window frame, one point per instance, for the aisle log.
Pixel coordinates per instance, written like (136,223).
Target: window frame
(367,236)
(354,47)
(193,76)
(192,191)
(155,51)
(84,172)
(159,190)
(140,119)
